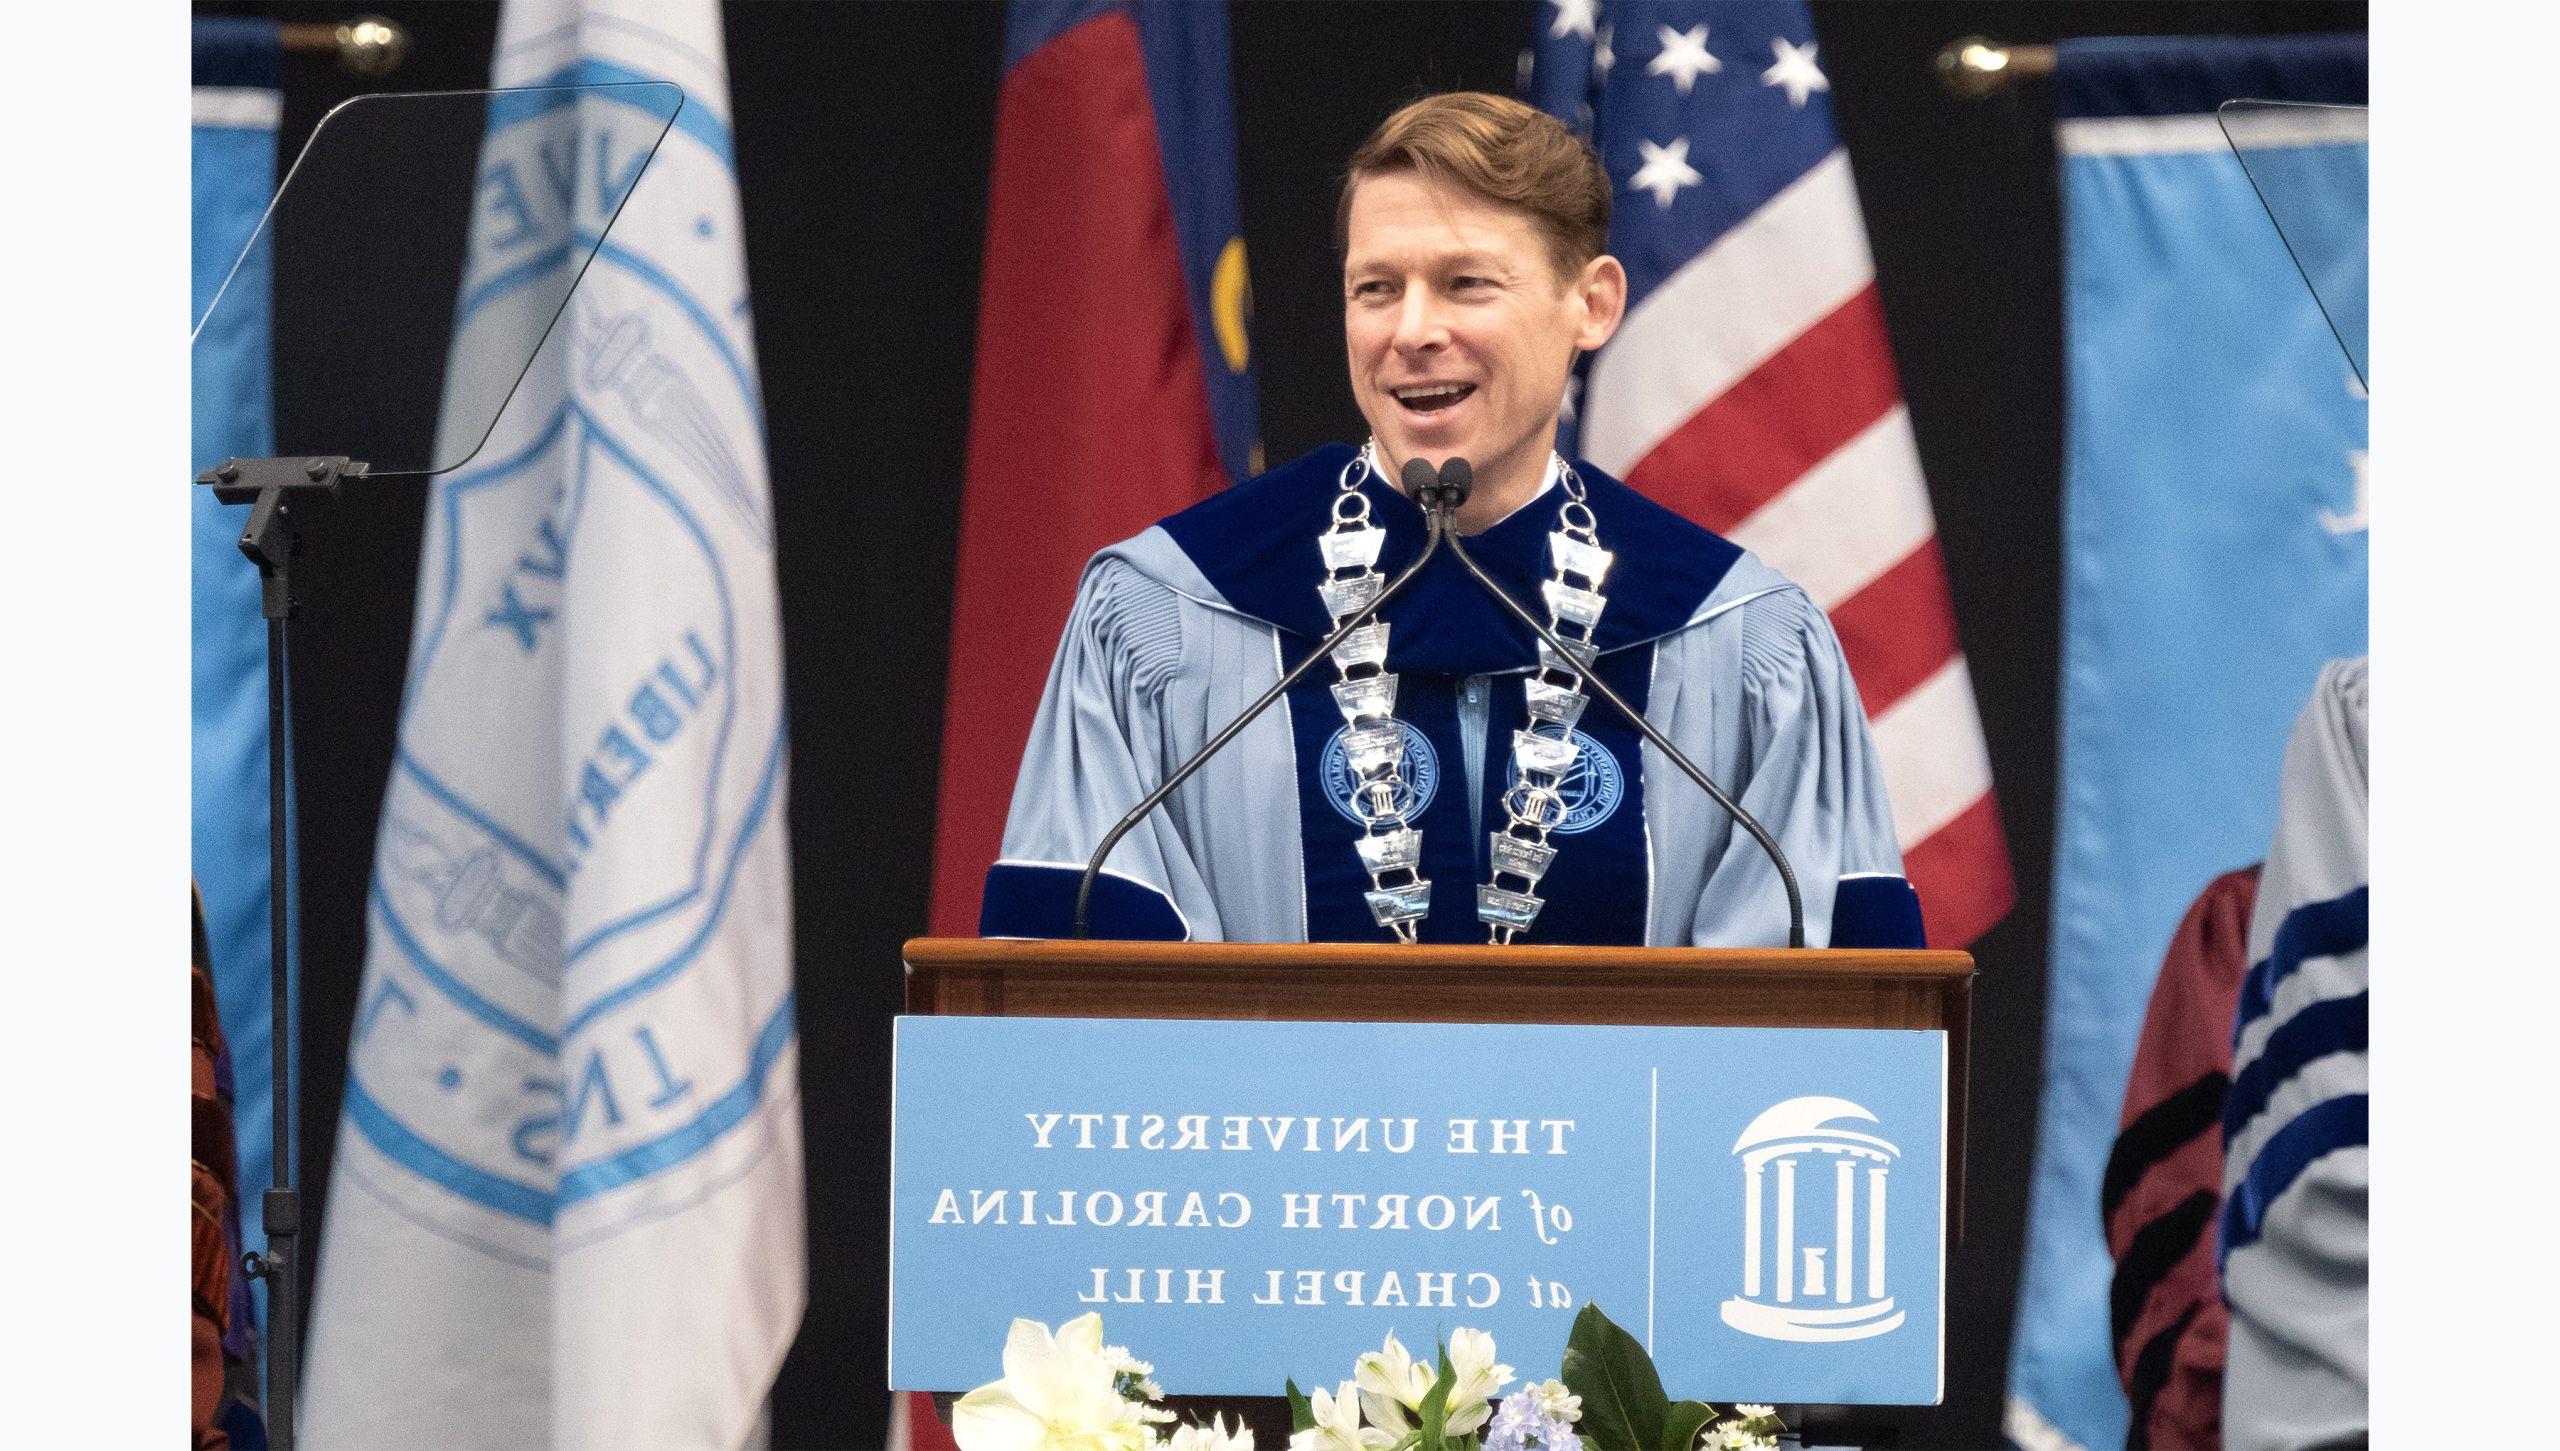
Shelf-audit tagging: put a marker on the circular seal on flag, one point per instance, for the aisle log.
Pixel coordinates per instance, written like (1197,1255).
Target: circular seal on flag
(1417,778)
(548,1057)
(1591,789)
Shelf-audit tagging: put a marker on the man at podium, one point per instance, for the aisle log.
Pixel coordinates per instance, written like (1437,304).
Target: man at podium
(1446,774)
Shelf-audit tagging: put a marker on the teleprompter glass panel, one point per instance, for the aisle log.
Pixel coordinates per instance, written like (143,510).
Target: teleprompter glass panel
(2310,166)
(421,248)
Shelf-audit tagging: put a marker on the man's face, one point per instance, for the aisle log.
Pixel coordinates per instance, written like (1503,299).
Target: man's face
(1460,333)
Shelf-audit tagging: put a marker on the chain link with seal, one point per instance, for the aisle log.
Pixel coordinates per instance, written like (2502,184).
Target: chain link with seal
(1390,847)
(1544,751)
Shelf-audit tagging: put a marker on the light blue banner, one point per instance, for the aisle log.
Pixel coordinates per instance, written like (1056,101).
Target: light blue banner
(2215,555)
(565,1207)
(1248,1202)
(233,172)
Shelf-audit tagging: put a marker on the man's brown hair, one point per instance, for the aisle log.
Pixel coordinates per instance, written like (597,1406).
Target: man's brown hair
(1503,151)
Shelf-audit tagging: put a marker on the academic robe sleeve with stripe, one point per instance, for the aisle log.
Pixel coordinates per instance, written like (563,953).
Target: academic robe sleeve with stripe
(2295,1228)
(1759,696)
(1097,747)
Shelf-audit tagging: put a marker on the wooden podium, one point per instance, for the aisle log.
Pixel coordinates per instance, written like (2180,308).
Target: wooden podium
(1336,982)
(1341,982)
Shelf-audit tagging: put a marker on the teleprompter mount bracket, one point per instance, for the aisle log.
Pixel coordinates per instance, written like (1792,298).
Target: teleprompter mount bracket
(271,487)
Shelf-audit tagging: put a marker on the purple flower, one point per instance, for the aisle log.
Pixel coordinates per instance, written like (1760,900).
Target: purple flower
(1521,1423)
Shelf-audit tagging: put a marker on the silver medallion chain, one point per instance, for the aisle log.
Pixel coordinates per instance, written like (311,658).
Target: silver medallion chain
(1544,751)
(1390,846)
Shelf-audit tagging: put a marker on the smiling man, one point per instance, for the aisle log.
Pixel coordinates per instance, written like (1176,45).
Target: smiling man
(1444,778)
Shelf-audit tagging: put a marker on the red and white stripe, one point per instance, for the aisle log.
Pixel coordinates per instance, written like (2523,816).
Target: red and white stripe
(1755,392)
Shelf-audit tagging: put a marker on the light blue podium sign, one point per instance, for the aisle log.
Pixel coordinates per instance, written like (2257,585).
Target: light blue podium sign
(1246,1202)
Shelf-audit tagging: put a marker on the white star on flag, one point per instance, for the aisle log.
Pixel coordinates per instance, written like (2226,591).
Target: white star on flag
(1603,57)
(1795,70)
(1575,17)
(1692,379)
(1666,169)
(1684,57)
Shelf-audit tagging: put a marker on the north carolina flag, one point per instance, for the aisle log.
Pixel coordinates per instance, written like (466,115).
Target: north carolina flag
(1752,387)
(1114,380)
(1114,377)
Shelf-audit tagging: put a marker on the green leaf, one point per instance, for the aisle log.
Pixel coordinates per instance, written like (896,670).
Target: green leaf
(1682,1423)
(1622,1401)
(1302,1412)
(1433,1413)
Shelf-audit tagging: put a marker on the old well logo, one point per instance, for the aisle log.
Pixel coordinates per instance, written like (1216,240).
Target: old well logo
(1814,1253)
(1591,787)
(1417,775)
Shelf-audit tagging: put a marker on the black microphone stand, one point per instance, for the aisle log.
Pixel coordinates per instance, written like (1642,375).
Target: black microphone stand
(272,487)
(1749,823)
(1436,506)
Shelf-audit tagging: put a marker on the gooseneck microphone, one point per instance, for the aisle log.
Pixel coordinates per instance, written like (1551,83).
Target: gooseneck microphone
(1457,479)
(1419,479)
(1443,496)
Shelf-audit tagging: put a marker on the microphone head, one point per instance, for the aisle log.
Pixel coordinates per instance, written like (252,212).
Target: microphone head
(1419,476)
(1457,480)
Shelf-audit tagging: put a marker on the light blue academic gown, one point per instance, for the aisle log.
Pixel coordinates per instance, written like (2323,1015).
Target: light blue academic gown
(1176,631)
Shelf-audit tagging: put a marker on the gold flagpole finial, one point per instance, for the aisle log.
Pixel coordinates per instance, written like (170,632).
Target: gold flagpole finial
(368,45)
(1978,66)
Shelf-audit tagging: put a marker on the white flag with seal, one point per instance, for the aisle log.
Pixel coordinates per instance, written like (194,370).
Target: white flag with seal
(566,1205)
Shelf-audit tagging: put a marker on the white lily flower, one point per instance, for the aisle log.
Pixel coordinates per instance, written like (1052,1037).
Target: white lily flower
(1391,1385)
(1212,1437)
(1337,1426)
(1479,1380)
(1056,1392)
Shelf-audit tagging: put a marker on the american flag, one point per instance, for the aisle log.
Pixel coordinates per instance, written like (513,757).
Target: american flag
(1752,388)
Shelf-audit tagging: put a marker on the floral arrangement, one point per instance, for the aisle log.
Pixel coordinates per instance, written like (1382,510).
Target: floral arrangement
(1068,1391)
